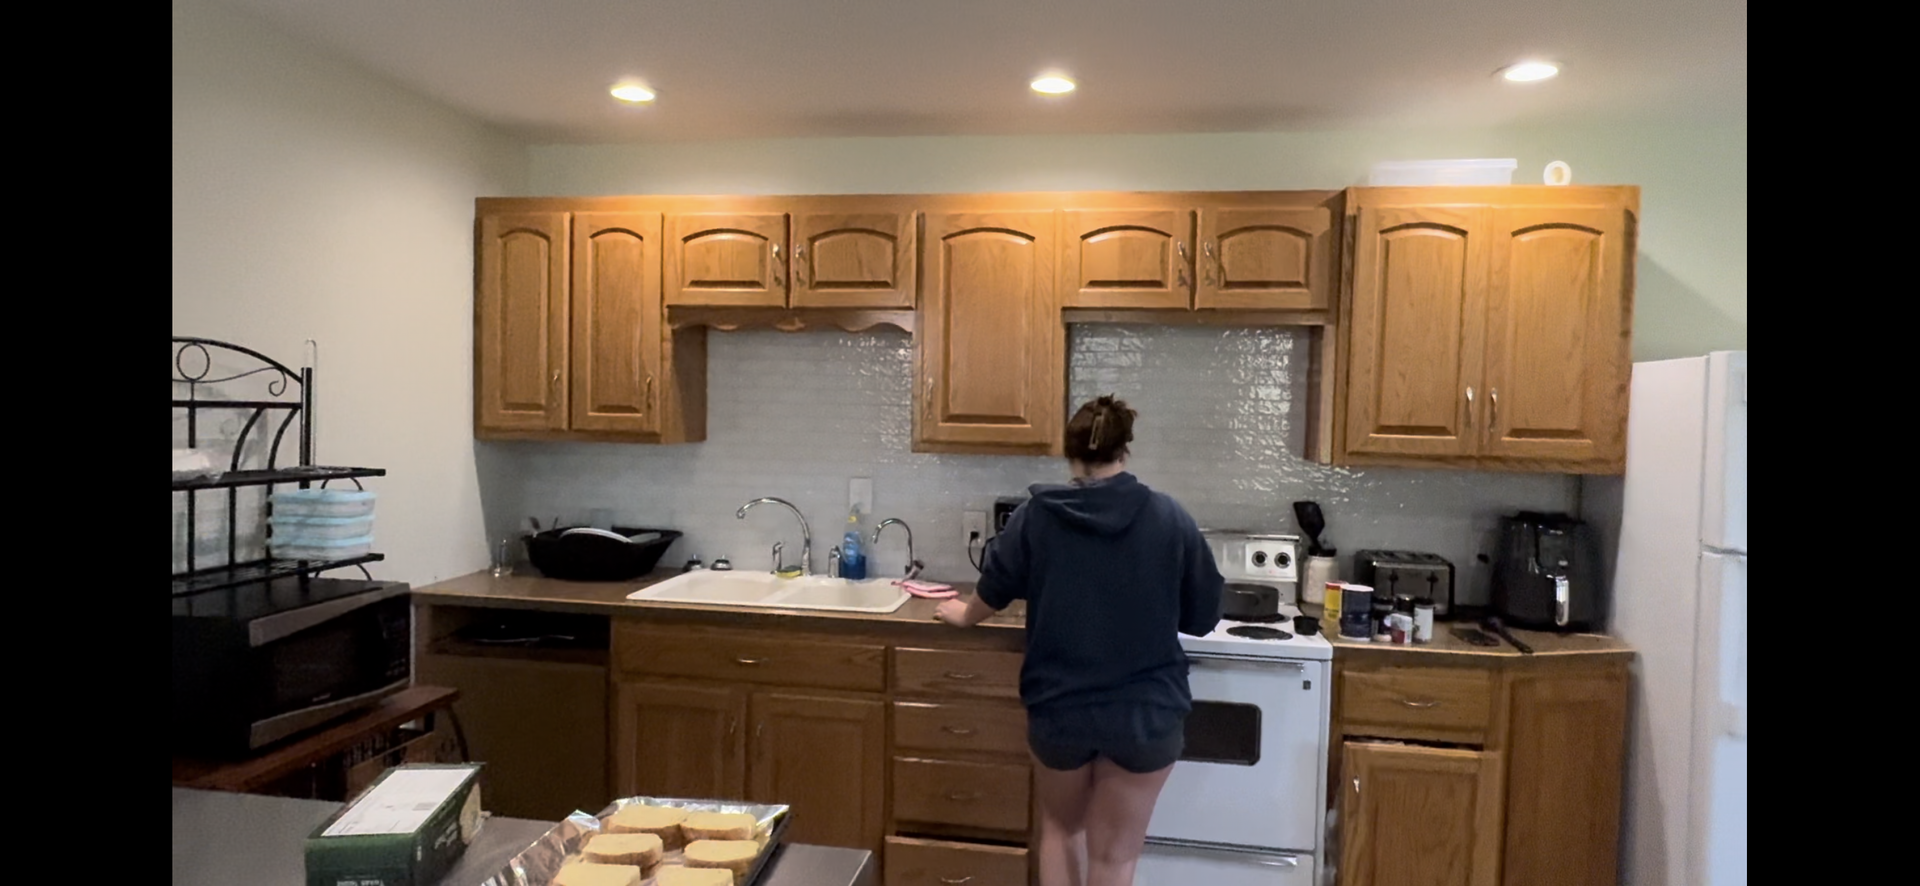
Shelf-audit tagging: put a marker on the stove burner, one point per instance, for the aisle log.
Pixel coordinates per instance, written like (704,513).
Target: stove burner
(1256,619)
(1255,632)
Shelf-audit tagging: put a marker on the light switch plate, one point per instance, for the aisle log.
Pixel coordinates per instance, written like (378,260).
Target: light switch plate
(860,495)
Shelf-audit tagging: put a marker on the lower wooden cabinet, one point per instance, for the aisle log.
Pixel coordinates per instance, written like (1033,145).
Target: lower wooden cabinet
(1419,815)
(1458,773)
(825,757)
(679,740)
(911,862)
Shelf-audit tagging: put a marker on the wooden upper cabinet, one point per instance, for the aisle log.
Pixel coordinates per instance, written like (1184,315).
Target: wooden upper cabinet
(1138,258)
(991,368)
(1558,334)
(674,740)
(853,259)
(825,757)
(1419,816)
(616,321)
(727,259)
(520,322)
(1414,330)
(1272,258)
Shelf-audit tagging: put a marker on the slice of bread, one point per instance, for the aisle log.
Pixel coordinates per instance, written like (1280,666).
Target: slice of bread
(734,855)
(662,821)
(719,826)
(643,850)
(589,874)
(693,877)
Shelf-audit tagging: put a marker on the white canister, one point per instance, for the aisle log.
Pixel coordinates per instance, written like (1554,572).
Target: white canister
(1313,582)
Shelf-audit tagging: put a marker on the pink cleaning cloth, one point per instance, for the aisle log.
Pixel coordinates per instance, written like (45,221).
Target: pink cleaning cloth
(928,589)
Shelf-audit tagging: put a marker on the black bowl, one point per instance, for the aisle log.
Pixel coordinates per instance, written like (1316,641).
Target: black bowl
(588,557)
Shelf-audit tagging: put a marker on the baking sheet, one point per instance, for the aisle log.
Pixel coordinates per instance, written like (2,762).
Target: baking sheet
(537,864)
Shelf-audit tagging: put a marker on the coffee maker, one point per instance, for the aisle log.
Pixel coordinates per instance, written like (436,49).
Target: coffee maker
(1547,575)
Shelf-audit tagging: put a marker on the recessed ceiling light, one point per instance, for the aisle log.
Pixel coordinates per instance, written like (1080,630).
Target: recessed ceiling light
(1052,84)
(632,93)
(1528,72)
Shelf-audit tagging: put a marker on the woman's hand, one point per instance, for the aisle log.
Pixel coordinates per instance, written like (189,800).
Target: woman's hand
(954,612)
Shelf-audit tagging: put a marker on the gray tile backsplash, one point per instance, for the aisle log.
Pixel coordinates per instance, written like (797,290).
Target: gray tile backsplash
(796,415)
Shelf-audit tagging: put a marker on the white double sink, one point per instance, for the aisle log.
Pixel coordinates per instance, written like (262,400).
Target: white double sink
(764,589)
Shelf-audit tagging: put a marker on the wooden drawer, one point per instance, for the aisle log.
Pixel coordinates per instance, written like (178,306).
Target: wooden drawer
(959,726)
(992,796)
(911,862)
(1425,704)
(751,657)
(959,673)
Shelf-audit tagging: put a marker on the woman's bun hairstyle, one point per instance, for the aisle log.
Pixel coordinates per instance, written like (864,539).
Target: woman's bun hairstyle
(1099,432)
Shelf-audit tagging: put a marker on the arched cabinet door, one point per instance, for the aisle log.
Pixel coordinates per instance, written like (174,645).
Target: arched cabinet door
(617,383)
(727,259)
(1414,331)
(853,259)
(520,323)
(991,373)
(1271,258)
(1132,258)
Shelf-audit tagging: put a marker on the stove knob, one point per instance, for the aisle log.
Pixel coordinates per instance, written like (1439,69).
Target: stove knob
(1259,558)
(1280,559)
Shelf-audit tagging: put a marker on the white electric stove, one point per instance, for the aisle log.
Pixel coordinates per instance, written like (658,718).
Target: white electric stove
(1246,803)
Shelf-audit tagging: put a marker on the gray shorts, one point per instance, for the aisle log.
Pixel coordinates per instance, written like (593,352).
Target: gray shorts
(1137,738)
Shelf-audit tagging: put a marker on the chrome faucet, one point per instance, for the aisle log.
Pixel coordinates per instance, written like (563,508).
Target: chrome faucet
(806,535)
(913,566)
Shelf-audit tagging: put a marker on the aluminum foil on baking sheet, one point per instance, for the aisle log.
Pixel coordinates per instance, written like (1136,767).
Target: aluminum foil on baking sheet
(536,865)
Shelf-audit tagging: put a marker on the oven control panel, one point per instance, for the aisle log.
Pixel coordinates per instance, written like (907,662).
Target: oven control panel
(1271,559)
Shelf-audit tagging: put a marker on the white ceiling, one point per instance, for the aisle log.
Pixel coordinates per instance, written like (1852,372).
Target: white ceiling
(769,68)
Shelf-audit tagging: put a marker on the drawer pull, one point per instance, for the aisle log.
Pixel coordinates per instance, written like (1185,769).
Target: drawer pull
(956,730)
(750,661)
(956,881)
(963,796)
(1419,704)
(956,675)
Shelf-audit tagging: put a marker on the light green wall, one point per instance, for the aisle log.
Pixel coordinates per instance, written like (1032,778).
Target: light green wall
(1692,273)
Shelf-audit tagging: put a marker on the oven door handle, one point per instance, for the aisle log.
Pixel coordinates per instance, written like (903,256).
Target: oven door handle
(1296,664)
(1265,857)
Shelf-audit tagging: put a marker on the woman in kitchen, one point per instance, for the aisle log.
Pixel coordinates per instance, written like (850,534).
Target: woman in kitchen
(1111,571)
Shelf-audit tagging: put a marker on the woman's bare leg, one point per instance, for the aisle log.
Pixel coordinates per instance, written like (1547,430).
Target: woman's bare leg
(1063,816)
(1116,821)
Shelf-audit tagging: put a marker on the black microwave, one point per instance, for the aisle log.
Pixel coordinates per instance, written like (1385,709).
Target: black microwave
(261,662)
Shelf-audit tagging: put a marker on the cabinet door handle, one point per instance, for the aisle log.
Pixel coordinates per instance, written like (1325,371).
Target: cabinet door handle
(760,732)
(926,395)
(779,271)
(956,730)
(956,675)
(1356,787)
(1420,704)
(1185,282)
(750,661)
(956,881)
(733,726)
(1493,410)
(1214,271)
(1469,407)
(799,266)
(649,406)
(556,378)
(963,796)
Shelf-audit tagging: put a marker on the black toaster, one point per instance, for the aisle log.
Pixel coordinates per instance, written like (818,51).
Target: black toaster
(1418,575)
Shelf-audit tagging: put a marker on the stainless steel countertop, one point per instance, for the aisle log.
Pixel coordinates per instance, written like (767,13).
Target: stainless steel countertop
(223,839)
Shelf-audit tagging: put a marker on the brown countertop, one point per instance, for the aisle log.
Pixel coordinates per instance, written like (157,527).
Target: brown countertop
(529,591)
(1448,648)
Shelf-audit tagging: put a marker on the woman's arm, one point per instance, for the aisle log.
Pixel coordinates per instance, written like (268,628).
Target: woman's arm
(963,613)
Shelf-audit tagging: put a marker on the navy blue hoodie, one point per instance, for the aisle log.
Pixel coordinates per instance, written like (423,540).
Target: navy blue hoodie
(1110,570)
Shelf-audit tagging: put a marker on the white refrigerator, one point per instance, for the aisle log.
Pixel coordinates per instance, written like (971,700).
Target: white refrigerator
(1680,599)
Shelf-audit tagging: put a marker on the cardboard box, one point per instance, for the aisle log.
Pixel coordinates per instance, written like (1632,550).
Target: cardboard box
(406,829)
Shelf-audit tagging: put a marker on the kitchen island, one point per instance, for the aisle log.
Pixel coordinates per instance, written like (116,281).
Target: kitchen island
(227,839)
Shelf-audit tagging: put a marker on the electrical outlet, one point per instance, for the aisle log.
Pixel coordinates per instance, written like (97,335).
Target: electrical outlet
(860,495)
(973,528)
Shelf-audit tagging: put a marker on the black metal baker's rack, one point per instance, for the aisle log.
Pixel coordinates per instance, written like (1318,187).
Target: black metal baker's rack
(193,363)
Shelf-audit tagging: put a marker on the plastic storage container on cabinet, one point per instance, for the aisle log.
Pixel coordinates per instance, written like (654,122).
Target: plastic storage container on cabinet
(1442,172)
(323,503)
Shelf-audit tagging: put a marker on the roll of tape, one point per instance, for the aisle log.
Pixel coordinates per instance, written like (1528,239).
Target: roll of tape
(1558,173)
